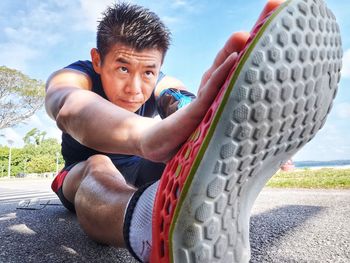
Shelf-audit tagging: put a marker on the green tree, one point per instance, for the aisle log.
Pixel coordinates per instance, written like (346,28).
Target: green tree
(32,158)
(20,97)
(4,153)
(42,158)
(41,164)
(34,136)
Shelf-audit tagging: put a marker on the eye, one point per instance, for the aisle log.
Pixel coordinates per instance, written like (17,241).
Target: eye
(149,74)
(123,69)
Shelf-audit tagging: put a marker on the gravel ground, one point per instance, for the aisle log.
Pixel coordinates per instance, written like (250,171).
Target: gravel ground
(301,226)
(286,226)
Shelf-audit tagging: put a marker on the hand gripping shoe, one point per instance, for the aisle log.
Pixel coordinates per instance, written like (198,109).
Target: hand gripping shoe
(274,101)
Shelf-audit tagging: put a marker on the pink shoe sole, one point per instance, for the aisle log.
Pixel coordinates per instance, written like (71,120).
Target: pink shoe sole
(274,101)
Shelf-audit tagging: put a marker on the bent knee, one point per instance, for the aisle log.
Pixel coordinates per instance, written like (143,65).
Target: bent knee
(97,164)
(97,159)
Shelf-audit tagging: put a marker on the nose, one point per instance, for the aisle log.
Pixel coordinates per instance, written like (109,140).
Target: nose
(134,85)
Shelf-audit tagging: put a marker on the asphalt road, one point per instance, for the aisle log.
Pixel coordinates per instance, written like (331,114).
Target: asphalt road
(286,226)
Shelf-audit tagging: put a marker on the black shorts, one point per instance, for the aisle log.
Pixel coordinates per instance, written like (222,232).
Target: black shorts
(138,174)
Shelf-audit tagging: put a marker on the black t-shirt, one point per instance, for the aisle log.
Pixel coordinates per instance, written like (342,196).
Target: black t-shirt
(72,150)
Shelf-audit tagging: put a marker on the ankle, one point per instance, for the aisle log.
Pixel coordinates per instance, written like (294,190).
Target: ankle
(138,222)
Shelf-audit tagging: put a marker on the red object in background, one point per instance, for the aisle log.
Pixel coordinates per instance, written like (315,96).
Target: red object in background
(288,166)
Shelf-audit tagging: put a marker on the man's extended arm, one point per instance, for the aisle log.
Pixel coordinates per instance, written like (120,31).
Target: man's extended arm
(103,126)
(89,118)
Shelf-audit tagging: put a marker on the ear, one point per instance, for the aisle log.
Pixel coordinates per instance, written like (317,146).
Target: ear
(96,60)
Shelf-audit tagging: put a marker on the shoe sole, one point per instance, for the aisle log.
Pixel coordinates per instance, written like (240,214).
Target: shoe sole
(276,99)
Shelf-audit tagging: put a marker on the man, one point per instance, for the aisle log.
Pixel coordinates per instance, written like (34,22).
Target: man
(113,147)
(106,107)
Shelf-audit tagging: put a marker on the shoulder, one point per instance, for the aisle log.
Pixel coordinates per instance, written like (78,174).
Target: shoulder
(84,66)
(78,74)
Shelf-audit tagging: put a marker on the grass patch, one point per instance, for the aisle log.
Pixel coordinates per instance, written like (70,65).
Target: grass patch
(326,178)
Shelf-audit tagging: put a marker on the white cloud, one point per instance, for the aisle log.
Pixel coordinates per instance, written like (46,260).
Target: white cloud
(11,134)
(54,132)
(16,55)
(343,110)
(346,64)
(330,143)
(191,6)
(42,122)
(171,20)
(36,26)
(35,121)
(90,12)
(179,3)
(28,33)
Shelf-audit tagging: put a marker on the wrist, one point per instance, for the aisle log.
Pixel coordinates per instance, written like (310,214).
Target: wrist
(146,137)
(170,100)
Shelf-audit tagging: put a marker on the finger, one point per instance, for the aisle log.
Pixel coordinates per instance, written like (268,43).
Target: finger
(235,43)
(219,76)
(270,6)
(238,40)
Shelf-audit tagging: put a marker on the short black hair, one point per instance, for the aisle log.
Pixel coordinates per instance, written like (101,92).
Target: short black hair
(132,25)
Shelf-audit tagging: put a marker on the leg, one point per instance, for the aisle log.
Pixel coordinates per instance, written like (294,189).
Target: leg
(96,187)
(276,100)
(148,172)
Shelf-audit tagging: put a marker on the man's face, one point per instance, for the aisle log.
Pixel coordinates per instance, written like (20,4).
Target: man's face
(129,76)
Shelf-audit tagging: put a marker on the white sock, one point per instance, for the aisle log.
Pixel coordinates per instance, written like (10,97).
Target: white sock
(140,235)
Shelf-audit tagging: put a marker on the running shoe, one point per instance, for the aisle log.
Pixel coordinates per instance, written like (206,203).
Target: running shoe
(274,101)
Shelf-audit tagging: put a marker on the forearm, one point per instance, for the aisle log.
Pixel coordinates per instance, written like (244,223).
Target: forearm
(171,132)
(175,129)
(100,125)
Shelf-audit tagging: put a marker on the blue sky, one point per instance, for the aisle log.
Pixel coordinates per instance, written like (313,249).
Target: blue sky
(39,37)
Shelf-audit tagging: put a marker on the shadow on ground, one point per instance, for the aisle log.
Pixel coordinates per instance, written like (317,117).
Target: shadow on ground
(268,229)
(50,235)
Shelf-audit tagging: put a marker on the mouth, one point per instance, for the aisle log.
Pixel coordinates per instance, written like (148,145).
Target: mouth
(130,102)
